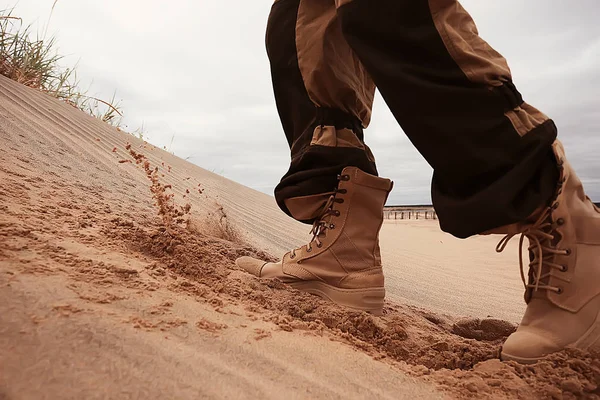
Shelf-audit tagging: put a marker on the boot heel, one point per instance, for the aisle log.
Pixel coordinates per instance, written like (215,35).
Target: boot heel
(367,299)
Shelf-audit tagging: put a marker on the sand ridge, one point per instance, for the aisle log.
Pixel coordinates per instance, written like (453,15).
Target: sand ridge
(154,303)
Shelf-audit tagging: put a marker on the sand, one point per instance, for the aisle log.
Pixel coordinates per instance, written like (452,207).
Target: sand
(117,280)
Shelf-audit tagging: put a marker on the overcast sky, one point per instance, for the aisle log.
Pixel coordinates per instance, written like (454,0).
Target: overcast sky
(196,74)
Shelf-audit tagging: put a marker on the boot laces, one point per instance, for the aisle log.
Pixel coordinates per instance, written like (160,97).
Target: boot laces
(323,223)
(541,235)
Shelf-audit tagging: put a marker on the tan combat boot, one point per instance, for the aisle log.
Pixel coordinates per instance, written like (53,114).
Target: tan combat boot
(563,286)
(342,262)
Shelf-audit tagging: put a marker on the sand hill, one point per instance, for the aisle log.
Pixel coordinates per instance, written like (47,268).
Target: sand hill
(117,281)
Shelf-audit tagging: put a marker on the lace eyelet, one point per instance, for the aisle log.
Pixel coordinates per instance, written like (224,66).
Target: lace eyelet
(319,245)
(337,213)
(343,191)
(568,252)
(564,268)
(555,206)
(292,256)
(299,262)
(344,177)
(560,221)
(559,291)
(331,226)
(308,249)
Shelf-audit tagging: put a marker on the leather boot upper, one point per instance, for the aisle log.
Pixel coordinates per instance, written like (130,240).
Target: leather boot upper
(563,281)
(344,251)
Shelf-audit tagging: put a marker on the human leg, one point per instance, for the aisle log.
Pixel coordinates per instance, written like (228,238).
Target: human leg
(324,98)
(453,96)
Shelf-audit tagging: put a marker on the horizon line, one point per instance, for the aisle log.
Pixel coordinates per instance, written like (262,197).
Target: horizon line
(431,205)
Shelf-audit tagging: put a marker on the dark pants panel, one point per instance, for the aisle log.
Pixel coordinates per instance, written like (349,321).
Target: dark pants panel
(313,169)
(485,173)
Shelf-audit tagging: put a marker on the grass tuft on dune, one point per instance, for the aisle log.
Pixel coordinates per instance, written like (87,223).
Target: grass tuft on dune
(32,60)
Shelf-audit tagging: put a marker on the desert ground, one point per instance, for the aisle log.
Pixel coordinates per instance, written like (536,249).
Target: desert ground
(117,281)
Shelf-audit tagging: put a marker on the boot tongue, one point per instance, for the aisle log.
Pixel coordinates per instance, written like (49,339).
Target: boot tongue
(321,225)
(534,256)
(307,208)
(531,293)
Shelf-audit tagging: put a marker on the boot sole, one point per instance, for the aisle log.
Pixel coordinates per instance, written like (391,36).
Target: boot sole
(521,360)
(369,300)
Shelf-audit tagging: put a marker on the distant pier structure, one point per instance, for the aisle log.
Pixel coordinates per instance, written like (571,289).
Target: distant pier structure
(409,212)
(414,212)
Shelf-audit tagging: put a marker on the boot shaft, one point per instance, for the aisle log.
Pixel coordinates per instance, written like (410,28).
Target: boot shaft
(564,237)
(577,231)
(347,235)
(365,199)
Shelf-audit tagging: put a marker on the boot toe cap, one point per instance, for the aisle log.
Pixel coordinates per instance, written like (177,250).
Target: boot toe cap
(251,265)
(527,347)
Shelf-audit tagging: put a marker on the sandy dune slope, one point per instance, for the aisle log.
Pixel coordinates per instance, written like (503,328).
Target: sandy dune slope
(102,297)
(427,267)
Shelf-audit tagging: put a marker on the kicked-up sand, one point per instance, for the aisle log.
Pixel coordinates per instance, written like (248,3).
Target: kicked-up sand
(117,280)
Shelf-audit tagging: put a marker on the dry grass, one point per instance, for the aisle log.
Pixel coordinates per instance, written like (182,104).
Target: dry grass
(32,60)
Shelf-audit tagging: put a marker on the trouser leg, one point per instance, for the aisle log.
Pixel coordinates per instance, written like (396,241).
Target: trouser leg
(453,96)
(324,98)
